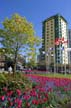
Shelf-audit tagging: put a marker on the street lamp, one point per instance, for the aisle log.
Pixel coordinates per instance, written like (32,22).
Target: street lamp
(49,54)
(62,48)
(46,54)
(53,55)
(69,50)
(65,61)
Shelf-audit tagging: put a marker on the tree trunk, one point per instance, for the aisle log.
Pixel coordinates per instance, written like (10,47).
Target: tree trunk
(15,63)
(14,69)
(15,59)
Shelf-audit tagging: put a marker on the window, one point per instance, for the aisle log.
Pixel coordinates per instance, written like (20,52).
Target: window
(52,53)
(47,33)
(58,61)
(52,42)
(52,33)
(58,57)
(52,39)
(47,43)
(51,21)
(47,39)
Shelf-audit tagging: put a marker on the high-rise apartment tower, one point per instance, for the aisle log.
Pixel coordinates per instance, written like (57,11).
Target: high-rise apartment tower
(69,45)
(54,28)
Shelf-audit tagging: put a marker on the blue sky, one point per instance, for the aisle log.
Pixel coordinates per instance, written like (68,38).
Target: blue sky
(35,10)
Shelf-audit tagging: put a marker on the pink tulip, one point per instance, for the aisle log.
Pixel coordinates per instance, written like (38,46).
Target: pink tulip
(8,99)
(4,88)
(2,98)
(18,92)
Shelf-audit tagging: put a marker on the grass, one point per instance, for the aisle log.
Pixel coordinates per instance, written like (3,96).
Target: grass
(57,75)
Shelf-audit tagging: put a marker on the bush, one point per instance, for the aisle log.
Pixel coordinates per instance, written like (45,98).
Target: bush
(12,83)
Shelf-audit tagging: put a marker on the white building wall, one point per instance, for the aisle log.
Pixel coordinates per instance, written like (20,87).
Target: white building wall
(64,34)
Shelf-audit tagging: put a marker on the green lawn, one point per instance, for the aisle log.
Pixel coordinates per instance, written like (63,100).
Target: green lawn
(57,75)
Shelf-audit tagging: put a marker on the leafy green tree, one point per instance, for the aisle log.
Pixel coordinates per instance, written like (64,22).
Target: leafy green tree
(17,33)
(2,51)
(31,52)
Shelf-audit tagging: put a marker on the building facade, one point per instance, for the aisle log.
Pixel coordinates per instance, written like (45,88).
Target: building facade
(54,29)
(69,46)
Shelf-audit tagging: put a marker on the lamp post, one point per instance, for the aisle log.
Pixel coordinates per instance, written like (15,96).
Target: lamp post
(53,55)
(69,68)
(62,41)
(47,66)
(46,54)
(49,54)
(62,48)
(65,61)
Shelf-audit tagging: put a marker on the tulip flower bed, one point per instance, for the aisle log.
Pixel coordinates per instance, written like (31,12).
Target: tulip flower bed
(56,91)
(12,90)
(45,93)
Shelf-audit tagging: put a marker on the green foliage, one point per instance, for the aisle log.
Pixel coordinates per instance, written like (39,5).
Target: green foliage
(59,100)
(57,97)
(12,83)
(57,75)
(17,34)
(34,85)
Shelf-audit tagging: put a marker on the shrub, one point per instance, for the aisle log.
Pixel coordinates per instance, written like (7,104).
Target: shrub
(12,83)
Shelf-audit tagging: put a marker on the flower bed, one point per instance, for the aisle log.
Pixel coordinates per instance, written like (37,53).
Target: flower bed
(45,93)
(57,89)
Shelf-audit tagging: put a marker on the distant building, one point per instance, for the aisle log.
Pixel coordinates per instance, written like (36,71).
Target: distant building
(2,58)
(54,28)
(2,61)
(69,45)
(6,60)
(40,60)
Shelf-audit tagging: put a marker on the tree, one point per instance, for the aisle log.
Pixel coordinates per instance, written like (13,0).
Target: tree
(31,52)
(17,34)
(31,56)
(2,51)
